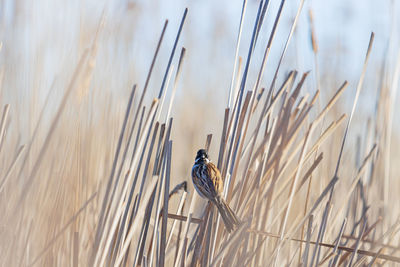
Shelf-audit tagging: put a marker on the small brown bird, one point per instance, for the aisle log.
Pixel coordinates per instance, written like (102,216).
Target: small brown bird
(208,183)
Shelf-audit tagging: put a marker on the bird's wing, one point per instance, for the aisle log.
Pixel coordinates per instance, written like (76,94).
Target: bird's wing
(215,176)
(207,180)
(202,181)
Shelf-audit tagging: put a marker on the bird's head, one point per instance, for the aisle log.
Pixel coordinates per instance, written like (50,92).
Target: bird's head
(201,155)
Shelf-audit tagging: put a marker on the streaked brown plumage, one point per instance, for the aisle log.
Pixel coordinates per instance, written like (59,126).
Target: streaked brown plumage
(208,183)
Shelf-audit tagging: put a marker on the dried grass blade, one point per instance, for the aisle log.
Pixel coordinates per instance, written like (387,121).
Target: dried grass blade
(139,216)
(11,168)
(163,238)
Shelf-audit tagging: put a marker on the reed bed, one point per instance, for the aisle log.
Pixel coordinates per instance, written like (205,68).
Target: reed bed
(281,152)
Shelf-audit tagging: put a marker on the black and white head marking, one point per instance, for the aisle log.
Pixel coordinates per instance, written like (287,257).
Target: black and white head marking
(202,156)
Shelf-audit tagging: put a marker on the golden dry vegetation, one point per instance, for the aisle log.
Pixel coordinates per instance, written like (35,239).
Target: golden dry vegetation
(103,114)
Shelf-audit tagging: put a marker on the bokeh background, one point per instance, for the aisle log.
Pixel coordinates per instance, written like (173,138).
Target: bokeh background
(42,42)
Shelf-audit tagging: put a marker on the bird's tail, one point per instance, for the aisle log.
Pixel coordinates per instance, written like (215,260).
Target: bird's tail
(228,216)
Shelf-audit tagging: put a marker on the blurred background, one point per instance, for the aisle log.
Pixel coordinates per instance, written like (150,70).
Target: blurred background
(42,42)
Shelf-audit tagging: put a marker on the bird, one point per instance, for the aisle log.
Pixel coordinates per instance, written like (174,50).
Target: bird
(208,183)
